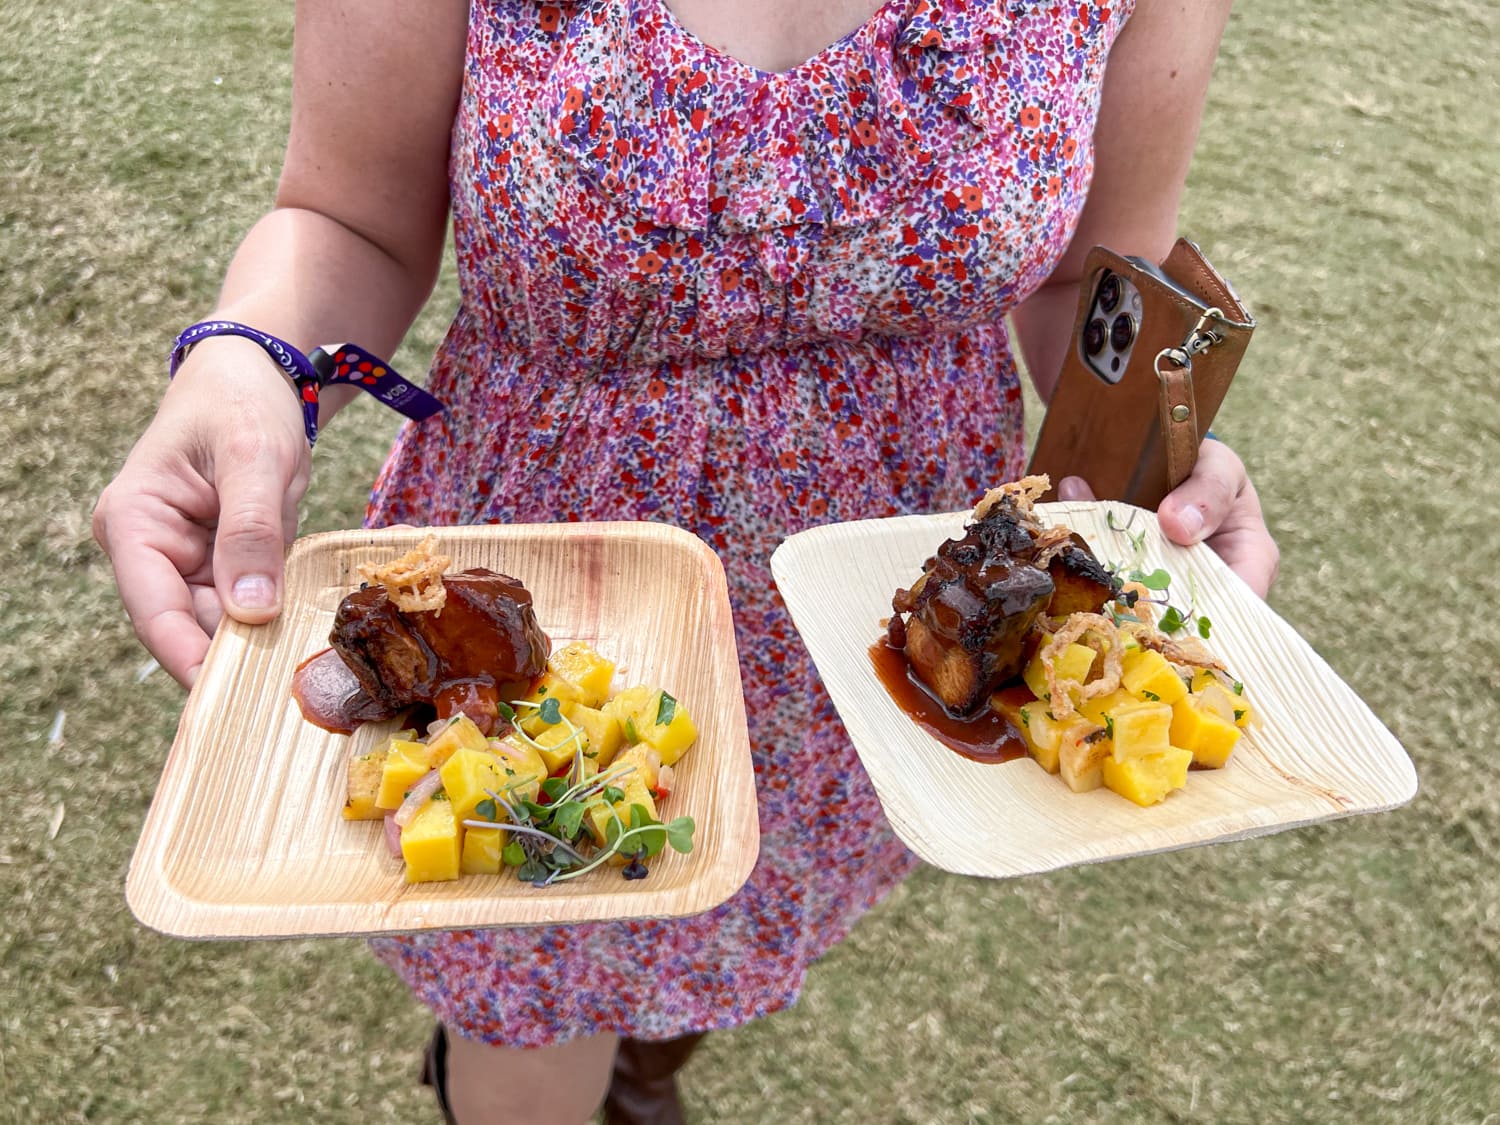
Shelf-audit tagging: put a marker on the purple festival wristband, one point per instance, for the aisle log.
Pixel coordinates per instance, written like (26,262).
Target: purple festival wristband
(326,366)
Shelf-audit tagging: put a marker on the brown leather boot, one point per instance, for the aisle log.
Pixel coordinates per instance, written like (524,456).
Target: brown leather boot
(643,1087)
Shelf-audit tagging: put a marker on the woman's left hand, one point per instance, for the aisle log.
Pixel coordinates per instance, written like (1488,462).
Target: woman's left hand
(1217,504)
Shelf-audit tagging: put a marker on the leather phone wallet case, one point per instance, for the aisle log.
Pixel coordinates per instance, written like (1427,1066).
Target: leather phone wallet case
(1137,439)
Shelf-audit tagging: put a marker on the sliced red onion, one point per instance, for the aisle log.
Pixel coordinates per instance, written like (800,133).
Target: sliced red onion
(416,797)
(392,835)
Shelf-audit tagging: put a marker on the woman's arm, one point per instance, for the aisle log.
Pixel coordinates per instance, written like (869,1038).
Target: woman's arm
(1151,108)
(197,520)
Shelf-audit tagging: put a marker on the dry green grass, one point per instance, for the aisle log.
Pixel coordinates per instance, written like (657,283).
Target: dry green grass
(1345,973)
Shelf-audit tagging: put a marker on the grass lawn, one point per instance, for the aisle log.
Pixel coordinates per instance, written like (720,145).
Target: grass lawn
(1345,181)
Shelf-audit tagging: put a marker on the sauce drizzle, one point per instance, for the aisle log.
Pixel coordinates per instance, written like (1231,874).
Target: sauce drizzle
(987,737)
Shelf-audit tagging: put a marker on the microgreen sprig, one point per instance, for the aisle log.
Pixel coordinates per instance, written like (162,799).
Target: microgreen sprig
(1173,619)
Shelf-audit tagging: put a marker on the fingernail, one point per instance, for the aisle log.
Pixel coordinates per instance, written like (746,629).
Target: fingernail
(1071,488)
(1191,520)
(254,591)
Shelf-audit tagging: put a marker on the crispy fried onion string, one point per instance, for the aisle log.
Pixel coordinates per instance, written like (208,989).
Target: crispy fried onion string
(1020,494)
(1182,650)
(414,582)
(1083,626)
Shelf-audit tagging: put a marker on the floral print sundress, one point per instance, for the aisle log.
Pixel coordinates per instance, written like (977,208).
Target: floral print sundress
(743,303)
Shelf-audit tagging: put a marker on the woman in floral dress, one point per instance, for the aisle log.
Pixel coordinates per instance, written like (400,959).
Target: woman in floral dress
(743,269)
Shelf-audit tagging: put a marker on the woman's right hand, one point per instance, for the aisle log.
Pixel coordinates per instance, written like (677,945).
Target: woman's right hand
(197,521)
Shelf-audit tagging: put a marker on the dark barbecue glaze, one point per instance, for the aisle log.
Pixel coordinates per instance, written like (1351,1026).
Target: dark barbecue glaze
(967,618)
(485,635)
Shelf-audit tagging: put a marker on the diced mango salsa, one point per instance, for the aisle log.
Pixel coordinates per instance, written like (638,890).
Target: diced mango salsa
(1072,664)
(1094,710)
(645,761)
(585,669)
(1139,729)
(559,743)
(521,767)
(599,814)
(601,730)
(461,733)
(1221,700)
(364,786)
(1042,733)
(550,686)
(405,764)
(468,777)
(1147,779)
(1080,755)
(431,844)
(669,738)
(1197,729)
(625,706)
(481,851)
(1148,675)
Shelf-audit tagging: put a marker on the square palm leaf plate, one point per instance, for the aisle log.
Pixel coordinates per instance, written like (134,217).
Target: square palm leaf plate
(245,836)
(1315,752)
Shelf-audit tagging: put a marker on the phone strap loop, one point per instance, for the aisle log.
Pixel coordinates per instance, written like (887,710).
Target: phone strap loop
(1179,412)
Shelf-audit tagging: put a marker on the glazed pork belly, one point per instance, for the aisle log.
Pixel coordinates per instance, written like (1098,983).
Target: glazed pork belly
(964,624)
(486,634)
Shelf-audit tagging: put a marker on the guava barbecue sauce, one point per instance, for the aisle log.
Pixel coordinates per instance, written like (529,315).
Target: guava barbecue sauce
(987,737)
(330,697)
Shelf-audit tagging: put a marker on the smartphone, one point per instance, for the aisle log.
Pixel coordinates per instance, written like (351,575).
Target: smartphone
(1105,419)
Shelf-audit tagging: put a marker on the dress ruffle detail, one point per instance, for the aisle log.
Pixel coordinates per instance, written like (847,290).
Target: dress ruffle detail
(850,131)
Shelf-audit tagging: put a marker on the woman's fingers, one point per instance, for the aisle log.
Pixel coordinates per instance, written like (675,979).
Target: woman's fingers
(197,522)
(251,537)
(1074,488)
(1218,505)
(1199,505)
(155,594)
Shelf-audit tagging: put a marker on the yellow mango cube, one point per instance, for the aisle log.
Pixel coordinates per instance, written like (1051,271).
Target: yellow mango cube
(672,738)
(1139,728)
(431,844)
(1148,778)
(1073,663)
(1042,733)
(625,706)
(405,764)
(522,769)
(482,848)
(1148,675)
(1094,710)
(599,814)
(461,733)
(365,771)
(559,743)
(1202,678)
(1080,755)
(1197,729)
(468,776)
(585,669)
(1222,700)
(644,760)
(602,731)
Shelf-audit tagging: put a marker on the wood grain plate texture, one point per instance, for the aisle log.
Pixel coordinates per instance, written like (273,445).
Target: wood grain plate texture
(245,838)
(1316,753)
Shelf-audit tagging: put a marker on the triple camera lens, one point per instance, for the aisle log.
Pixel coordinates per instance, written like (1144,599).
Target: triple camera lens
(1095,332)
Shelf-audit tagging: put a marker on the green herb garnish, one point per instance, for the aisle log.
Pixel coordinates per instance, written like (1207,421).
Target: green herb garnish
(665,710)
